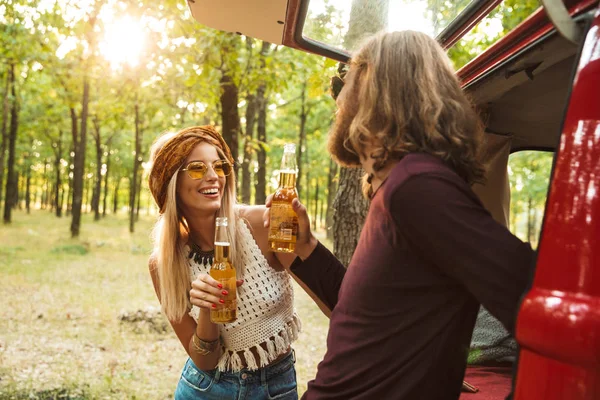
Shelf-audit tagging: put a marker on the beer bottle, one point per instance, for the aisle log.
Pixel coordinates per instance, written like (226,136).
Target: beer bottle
(284,221)
(223,271)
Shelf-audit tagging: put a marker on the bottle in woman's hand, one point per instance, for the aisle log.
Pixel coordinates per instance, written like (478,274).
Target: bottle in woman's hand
(223,271)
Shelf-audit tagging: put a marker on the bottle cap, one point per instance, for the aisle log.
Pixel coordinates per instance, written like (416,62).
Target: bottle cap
(289,148)
(221,221)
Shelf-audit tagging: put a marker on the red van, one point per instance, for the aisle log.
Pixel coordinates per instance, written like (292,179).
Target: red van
(538,87)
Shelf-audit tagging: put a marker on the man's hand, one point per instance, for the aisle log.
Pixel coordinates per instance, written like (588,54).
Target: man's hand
(305,241)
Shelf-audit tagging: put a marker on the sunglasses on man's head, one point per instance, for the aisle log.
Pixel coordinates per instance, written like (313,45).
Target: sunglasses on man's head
(197,169)
(337,81)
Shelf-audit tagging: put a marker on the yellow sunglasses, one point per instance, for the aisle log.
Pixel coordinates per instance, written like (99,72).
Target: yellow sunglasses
(197,169)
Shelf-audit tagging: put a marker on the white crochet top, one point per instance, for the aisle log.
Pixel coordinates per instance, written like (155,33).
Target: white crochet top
(265,311)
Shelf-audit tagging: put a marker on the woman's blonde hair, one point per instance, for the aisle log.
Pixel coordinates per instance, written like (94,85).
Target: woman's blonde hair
(171,231)
(411,101)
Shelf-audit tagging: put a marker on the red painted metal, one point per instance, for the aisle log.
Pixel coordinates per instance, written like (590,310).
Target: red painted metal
(558,325)
(529,31)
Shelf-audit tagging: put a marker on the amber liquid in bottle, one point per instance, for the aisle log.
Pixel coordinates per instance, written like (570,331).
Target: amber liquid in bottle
(223,271)
(284,221)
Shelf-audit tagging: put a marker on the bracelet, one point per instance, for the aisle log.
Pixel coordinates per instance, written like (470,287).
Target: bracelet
(204,347)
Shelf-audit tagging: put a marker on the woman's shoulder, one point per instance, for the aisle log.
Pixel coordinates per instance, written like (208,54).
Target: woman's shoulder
(153,262)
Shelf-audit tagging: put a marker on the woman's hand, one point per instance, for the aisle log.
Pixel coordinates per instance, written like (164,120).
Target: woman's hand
(305,241)
(207,292)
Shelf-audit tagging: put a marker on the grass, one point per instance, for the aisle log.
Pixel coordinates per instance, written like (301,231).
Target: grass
(60,301)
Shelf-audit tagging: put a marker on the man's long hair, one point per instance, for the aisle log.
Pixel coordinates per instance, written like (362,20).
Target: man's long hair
(405,98)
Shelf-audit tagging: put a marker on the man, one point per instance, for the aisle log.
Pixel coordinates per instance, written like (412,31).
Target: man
(429,253)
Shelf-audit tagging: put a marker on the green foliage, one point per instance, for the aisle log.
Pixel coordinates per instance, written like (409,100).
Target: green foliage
(77,249)
(175,84)
(506,16)
(529,174)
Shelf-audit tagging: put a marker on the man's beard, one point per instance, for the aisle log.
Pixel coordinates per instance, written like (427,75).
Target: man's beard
(335,142)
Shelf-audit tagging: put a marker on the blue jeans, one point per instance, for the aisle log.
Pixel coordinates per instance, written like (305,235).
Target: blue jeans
(276,381)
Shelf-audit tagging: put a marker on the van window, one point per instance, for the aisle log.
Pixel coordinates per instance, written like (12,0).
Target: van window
(529,176)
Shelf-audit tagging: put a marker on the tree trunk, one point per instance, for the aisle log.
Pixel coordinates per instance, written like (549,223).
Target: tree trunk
(52,199)
(35,193)
(301,142)
(261,155)
(98,174)
(316,217)
(247,161)
(367,17)
(70,197)
(229,113)
(71,162)
(57,182)
(44,187)
(136,163)
(87,196)
(12,194)
(27,186)
(116,196)
(307,197)
(139,196)
(19,192)
(79,162)
(261,130)
(350,212)
(349,204)
(331,190)
(106,182)
(321,213)
(10,79)
(47,186)
(62,200)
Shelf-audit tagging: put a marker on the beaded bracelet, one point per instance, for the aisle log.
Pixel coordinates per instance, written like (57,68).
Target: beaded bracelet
(203,347)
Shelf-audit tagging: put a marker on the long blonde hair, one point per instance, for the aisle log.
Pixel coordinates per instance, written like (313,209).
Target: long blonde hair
(171,233)
(410,101)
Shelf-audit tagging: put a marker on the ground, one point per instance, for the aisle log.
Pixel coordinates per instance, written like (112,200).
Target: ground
(69,311)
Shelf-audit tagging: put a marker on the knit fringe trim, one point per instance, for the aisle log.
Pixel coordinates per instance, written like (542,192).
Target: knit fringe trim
(231,361)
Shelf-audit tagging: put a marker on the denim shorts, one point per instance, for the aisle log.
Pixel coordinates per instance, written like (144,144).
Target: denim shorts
(276,381)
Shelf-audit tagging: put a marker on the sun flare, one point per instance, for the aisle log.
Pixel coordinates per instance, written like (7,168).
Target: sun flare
(123,42)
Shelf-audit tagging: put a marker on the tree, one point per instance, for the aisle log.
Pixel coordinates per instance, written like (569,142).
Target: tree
(10,199)
(4,130)
(137,161)
(261,102)
(251,108)
(80,141)
(349,204)
(529,173)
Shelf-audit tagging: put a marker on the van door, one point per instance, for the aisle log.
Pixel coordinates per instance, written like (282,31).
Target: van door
(558,325)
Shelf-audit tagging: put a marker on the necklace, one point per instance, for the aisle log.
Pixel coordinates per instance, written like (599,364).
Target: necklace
(201,256)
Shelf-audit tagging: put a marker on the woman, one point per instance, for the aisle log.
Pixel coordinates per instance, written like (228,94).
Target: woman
(429,253)
(192,183)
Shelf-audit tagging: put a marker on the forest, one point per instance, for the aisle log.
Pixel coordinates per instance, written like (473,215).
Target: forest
(87,86)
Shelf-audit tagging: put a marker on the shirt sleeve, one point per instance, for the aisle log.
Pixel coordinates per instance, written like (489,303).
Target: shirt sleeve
(447,225)
(322,273)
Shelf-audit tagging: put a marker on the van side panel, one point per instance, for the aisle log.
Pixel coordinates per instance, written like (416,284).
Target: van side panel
(558,326)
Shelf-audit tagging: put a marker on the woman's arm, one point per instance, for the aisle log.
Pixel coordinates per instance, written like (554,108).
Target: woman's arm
(321,274)
(185,328)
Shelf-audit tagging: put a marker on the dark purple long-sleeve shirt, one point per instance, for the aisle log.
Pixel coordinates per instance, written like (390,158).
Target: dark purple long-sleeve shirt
(404,310)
